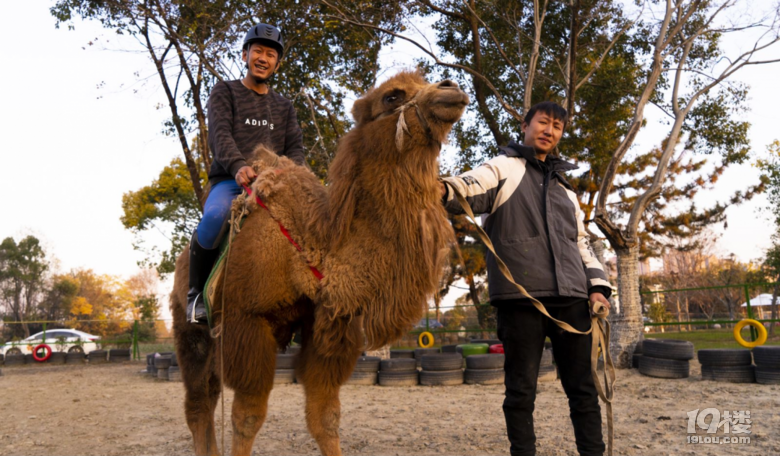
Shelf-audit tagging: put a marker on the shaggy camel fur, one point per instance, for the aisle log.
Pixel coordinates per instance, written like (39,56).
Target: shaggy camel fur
(377,232)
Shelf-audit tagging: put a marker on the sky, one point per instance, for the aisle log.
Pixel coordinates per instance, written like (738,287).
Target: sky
(82,125)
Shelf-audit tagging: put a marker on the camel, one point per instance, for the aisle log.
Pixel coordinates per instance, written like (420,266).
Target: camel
(377,232)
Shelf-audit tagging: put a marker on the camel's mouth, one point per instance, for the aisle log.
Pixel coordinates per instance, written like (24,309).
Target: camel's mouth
(448,105)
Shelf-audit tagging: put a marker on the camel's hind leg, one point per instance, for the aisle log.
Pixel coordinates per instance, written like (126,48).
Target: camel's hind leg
(322,378)
(202,386)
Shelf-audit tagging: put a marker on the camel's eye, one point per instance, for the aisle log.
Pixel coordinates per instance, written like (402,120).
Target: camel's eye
(394,97)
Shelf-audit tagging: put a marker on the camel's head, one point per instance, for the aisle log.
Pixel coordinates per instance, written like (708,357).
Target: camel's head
(413,111)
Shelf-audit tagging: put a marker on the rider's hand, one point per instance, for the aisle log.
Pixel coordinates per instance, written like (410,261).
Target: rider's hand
(245,175)
(598,297)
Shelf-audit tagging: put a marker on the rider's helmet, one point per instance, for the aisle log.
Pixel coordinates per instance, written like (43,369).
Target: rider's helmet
(267,35)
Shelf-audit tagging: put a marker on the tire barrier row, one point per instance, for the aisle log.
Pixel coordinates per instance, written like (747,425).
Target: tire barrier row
(666,358)
(425,366)
(94,357)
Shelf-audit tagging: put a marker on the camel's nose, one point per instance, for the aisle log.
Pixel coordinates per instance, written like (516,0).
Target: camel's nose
(448,84)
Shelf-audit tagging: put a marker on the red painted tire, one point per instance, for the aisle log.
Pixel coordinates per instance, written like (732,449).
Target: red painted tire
(497,348)
(38,358)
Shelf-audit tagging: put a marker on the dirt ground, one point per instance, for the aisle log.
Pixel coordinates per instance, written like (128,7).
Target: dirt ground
(115,410)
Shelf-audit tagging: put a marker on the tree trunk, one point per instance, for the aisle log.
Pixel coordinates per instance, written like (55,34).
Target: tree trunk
(679,313)
(774,306)
(627,323)
(688,311)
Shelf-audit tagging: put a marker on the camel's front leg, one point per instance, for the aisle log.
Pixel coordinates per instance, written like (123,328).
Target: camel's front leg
(249,412)
(322,377)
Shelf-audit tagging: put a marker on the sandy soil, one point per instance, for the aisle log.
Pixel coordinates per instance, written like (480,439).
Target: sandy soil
(114,410)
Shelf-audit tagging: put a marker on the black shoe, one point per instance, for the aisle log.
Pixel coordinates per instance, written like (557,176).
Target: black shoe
(201,262)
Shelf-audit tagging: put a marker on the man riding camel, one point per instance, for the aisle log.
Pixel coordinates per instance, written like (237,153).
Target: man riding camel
(241,115)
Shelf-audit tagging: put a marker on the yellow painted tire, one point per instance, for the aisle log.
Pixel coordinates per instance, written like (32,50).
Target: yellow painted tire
(756,324)
(424,335)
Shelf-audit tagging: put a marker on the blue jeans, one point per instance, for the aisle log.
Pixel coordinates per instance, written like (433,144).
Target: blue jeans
(215,212)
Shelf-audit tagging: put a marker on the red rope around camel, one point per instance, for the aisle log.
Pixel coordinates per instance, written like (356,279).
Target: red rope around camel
(286,233)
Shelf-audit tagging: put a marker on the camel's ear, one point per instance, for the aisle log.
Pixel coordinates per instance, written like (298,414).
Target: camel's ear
(361,111)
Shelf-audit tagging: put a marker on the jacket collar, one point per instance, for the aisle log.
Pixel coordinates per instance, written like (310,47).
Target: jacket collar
(555,165)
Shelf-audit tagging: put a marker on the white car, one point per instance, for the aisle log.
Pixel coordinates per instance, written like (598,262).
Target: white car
(60,340)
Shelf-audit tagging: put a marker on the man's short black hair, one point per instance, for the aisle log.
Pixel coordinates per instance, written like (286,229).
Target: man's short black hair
(550,108)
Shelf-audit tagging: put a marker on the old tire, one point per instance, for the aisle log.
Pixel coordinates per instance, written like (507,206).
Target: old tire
(635,358)
(362,378)
(724,357)
(174,374)
(680,350)
(767,356)
(285,362)
(398,365)
(547,357)
(367,364)
(98,357)
(401,354)
(441,362)
(489,342)
(292,350)
(451,348)
(547,374)
(57,358)
(162,374)
(730,374)
(472,349)
(14,360)
(483,376)
(663,368)
(420,352)
(767,375)
(75,358)
(284,376)
(488,361)
(174,361)
(638,347)
(441,378)
(162,362)
(395,378)
(119,355)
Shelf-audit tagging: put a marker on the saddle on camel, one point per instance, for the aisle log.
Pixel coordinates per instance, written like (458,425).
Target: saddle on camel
(378,234)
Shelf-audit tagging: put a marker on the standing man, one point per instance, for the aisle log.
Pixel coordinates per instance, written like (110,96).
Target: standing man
(241,115)
(533,218)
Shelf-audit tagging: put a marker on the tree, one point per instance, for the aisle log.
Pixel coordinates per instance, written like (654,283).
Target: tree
(22,277)
(770,167)
(687,75)
(143,287)
(103,304)
(169,205)
(59,296)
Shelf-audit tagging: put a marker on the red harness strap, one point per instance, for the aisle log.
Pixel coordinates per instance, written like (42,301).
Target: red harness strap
(286,233)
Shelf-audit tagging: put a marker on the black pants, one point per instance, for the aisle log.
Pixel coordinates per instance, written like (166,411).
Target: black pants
(522,329)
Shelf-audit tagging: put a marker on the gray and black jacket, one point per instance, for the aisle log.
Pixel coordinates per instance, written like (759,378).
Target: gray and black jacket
(533,218)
